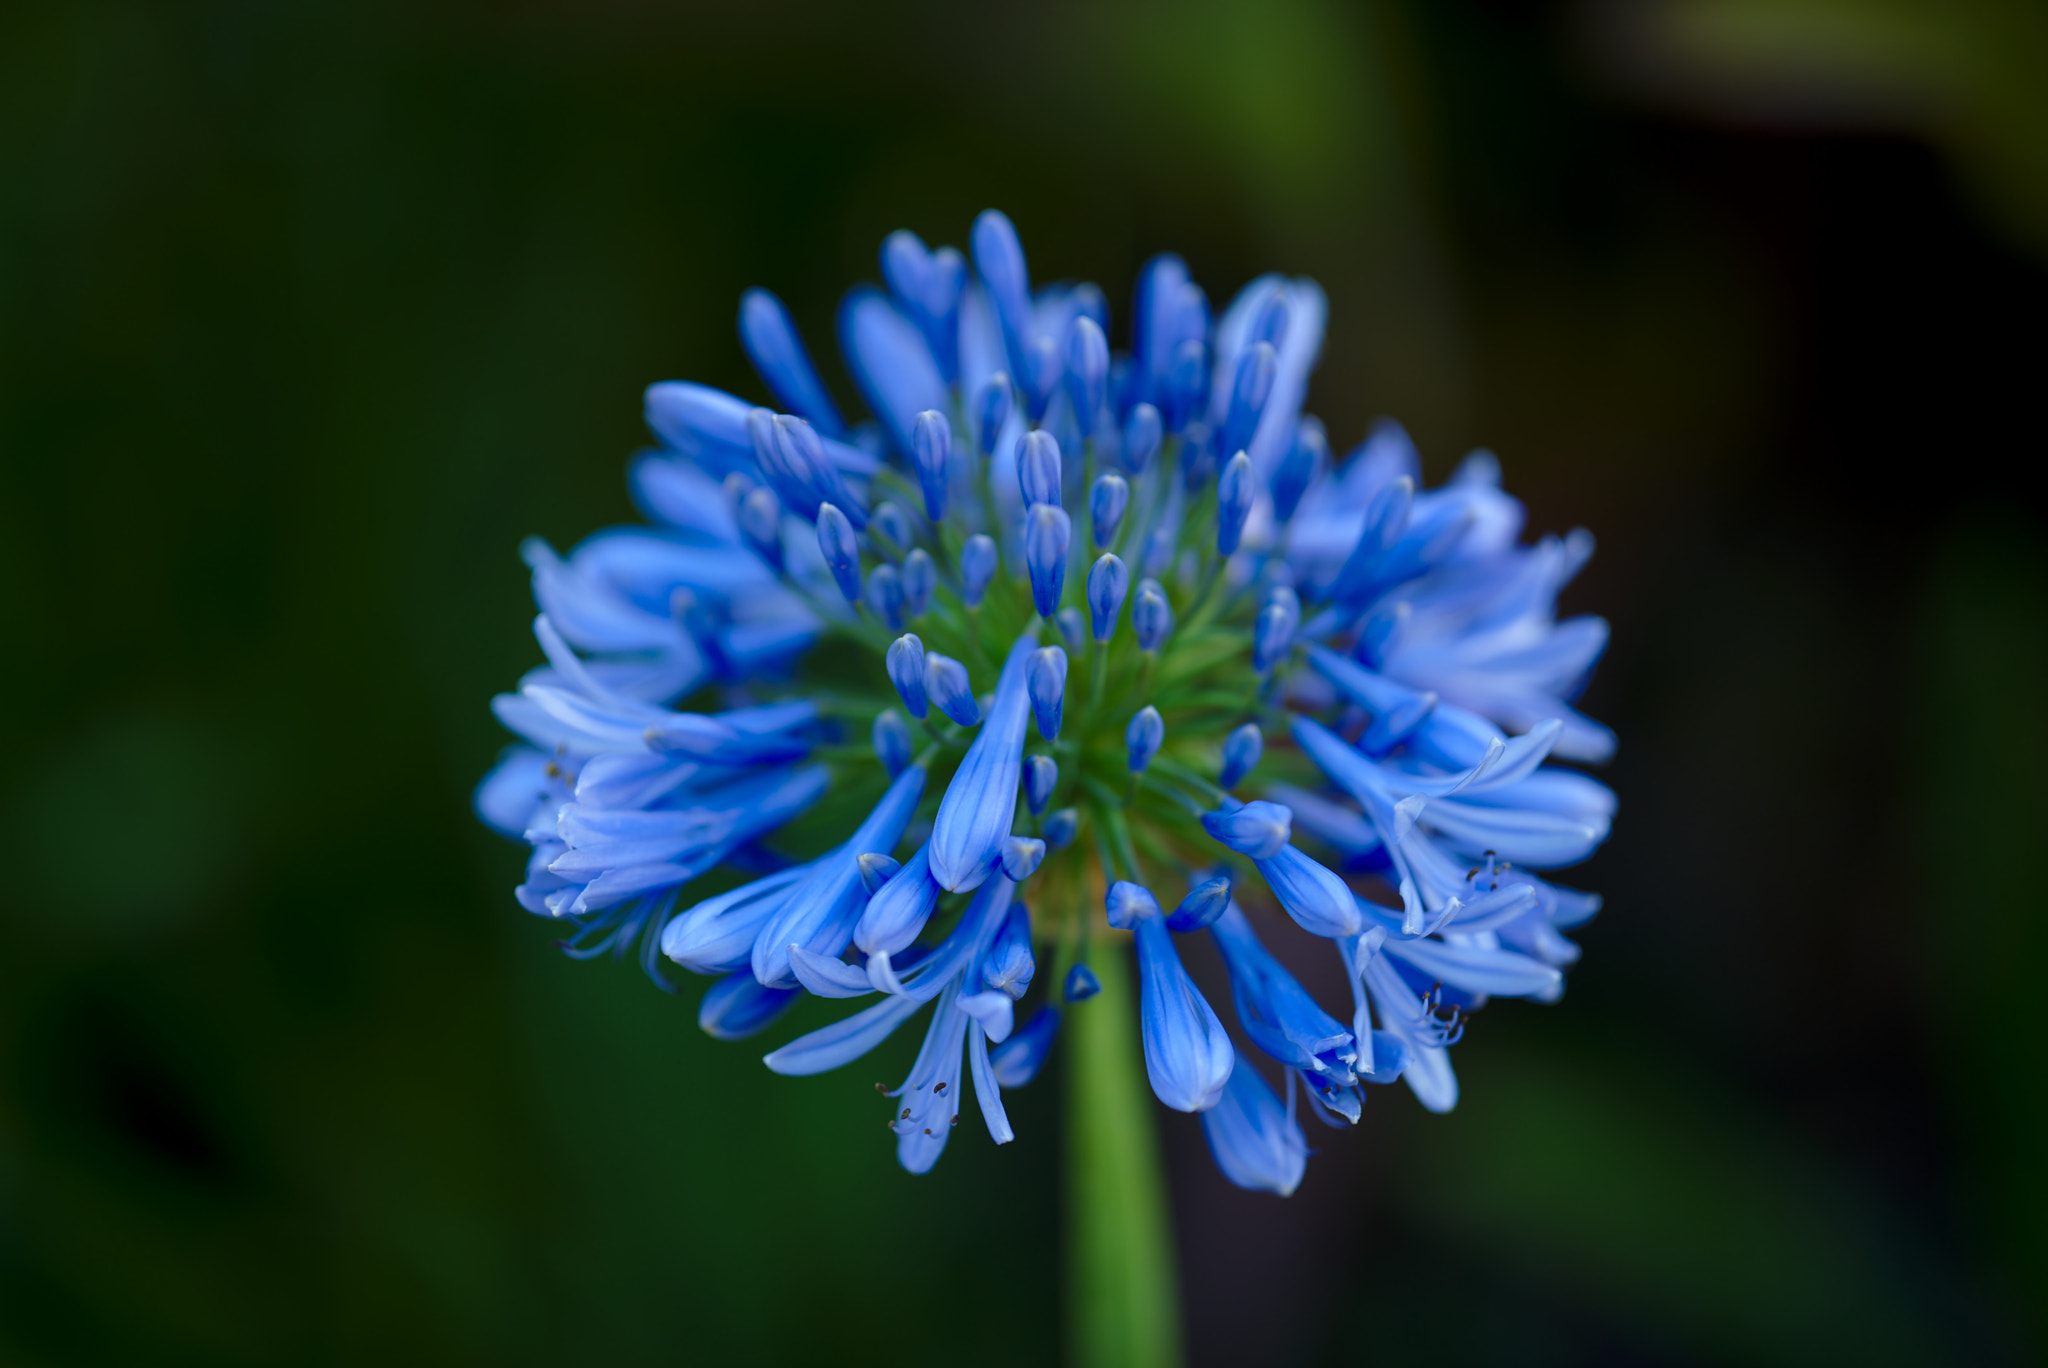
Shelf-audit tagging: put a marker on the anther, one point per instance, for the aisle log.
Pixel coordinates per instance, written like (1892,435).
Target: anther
(905,1116)
(940,1088)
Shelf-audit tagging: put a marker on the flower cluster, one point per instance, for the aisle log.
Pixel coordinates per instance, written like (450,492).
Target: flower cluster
(1131,589)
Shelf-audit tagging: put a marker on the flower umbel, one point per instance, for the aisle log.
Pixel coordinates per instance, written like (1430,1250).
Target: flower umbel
(781,732)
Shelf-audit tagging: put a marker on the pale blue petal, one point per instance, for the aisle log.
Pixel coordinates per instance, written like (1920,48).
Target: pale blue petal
(891,362)
(1256,1144)
(843,1041)
(777,351)
(981,801)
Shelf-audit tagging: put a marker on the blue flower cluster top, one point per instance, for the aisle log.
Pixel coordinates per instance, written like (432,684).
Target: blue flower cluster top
(1101,629)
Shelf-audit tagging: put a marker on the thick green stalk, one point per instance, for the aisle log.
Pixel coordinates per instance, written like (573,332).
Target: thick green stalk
(1123,1297)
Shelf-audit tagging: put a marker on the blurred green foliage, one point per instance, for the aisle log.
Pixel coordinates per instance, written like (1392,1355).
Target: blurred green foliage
(309,313)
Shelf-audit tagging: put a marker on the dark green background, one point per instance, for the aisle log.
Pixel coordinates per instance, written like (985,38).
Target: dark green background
(309,312)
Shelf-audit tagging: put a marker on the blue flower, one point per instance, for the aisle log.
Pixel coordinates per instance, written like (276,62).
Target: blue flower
(1255,1141)
(1188,1056)
(743,662)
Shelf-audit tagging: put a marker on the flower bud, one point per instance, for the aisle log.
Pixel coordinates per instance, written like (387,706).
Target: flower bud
(1143,738)
(1309,456)
(876,869)
(1046,532)
(890,525)
(1260,830)
(977,568)
(1250,388)
(1203,904)
(1021,857)
(945,680)
(884,597)
(931,450)
(920,577)
(760,521)
(1143,431)
(1106,504)
(1108,581)
(1038,468)
(1272,634)
(891,737)
(1041,777)
(842,555)
(1127,904)
(1241,752)
(1047,685)
(1087,368)
(992,407)
(1151,615)
(906,663)
(1073,628)
(1233,502)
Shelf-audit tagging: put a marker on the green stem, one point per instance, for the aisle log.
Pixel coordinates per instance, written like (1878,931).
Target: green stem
(1123,1299)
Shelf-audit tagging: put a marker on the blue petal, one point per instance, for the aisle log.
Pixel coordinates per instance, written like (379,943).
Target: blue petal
(987,1089)
(820,913)
(1259,829)
(1187,1053)
(1475,969)
(843,1041)
(710,427)
(999,260)
(717,935)
(827,977)
(899,911)
(933,1089)
(1428,1075)
(1018,1059)
(891,362)
(737,1007)
(518,783)
(1350,834)
(707,425)
(1256,1144)
(1276,1011)
(1316,898)
(981,801)
(1048,532)
(678,493)
(772,343)
(1542,840)
(1009,965)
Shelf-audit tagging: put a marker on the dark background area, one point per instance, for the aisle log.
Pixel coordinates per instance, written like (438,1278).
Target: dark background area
(308,313)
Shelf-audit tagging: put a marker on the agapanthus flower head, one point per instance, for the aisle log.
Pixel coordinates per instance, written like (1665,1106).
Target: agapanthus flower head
(780,735)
